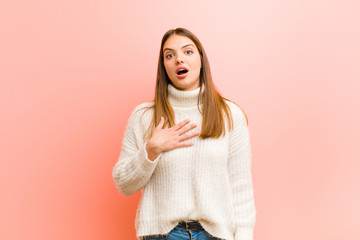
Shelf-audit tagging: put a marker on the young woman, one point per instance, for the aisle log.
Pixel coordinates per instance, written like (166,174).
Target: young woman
(189,150)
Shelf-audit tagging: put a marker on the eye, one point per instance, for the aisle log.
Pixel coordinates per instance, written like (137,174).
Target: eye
(169,55)
(189,52)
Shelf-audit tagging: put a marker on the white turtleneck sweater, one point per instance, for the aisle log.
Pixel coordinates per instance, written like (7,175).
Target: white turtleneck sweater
(210,182)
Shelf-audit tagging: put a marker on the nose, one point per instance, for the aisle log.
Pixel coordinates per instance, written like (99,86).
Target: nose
(179,59)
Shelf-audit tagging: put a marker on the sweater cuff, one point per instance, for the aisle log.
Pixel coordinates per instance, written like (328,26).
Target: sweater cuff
(147,157)
(244,233)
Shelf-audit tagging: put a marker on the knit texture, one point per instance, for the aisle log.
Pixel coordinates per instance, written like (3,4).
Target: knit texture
(210,182)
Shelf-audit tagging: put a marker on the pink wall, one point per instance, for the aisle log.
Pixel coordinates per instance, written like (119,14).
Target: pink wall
(72,71)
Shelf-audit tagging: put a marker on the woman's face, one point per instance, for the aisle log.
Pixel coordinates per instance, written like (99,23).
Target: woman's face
(182,62)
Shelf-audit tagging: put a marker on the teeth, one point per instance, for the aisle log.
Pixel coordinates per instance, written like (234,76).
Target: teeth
(180,70)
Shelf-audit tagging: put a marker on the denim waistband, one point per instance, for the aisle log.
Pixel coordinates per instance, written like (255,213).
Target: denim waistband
(190,225)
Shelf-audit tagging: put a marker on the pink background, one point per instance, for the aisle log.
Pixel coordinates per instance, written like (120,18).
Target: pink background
(72,71)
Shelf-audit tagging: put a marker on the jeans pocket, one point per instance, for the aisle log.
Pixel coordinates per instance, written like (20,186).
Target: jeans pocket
(211,237)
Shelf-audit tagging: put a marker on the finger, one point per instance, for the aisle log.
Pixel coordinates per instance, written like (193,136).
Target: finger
(181,124)
(188,136)
(161,123)
(186,128)
(185,144)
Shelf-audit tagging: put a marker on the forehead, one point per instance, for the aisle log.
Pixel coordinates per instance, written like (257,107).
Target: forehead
(177,42)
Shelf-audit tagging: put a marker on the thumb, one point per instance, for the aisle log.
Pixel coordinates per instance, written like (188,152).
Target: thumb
(161,123)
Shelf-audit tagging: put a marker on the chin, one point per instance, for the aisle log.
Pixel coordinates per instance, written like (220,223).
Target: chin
(184,84)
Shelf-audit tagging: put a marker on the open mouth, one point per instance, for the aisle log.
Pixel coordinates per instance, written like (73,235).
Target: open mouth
(182,72)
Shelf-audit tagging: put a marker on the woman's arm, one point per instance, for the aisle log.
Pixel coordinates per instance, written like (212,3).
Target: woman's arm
(138,159)
(134,169)
(239,167)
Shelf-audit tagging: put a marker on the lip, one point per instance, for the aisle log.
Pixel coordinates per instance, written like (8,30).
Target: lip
(182,75)
(181,67)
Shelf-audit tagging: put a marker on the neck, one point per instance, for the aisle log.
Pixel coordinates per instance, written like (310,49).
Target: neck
(179,98)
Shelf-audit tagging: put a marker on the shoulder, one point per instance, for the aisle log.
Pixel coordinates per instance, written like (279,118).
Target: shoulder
(237,112)
(143,109)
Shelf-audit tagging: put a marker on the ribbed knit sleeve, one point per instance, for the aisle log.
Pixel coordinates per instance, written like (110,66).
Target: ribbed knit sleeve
(133,169)
(239,166)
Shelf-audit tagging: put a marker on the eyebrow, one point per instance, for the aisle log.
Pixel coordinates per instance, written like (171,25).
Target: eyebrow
(182,47)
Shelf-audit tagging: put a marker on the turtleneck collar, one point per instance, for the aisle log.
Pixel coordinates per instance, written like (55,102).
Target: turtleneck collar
(179,98)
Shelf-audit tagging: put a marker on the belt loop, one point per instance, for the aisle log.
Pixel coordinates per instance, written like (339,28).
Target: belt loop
(186,225)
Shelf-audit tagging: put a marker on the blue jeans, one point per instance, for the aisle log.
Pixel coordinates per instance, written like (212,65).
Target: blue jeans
(179,233)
